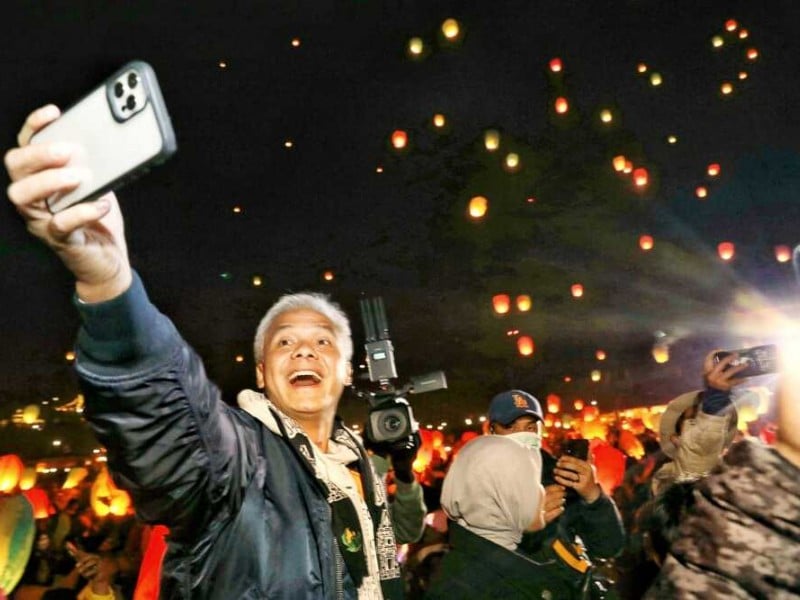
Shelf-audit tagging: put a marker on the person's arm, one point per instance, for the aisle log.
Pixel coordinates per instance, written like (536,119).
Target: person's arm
(598,524)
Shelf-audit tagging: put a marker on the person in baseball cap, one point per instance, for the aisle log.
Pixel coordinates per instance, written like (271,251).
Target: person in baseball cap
(515,411)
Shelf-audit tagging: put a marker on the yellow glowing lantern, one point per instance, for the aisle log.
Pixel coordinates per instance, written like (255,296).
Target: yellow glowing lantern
(752,54)
(328,275)
(257,281)
(701,191)
(237,210)
(661,353)
(31,414)
(399,139)
(578,404)
(561,105)
(439,120)
(501,303)
(222,64)
(596,375)
(416,46)
(239,358)
(477,207)
(619,163)
(726,88)
(606,116)
(524,303)
(28,478)
(512,161)
(717,41)
(731,25)
(70,356)
(726,250)
(641,68)
(713,169)
(640,177)
(783,253)
(10,471)
(655,79)
(672,139)
(75,476)
(600,354)
(556,65)
(548,421)
(491,139)
(743,34)
(577,290)
(646,242)
(553,403)
(451,29)
(525,345)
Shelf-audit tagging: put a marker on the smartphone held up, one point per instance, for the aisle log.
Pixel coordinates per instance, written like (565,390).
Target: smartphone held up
(120,129)
(760,360)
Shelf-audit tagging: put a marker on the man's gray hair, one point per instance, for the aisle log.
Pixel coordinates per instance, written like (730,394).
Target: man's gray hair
(320,303)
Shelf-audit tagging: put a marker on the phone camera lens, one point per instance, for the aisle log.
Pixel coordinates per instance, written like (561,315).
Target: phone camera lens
(133,80)
(130,103)
(118,90)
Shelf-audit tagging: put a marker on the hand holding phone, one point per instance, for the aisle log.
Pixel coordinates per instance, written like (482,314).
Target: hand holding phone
(758,360)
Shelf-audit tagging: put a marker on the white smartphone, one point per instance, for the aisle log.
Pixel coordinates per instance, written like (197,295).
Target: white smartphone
(122,129)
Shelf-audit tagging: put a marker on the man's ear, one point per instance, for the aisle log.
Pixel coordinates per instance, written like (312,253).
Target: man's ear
(260,383)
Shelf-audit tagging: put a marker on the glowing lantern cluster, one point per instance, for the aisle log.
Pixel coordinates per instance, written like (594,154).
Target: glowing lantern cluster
(501,303)
(726,250)
(524,303)
(553,403)
(556,65)
(646,242)
(399,139)
(478,206)
(525,345)
(561,105)
(713,170)
(640,177)
(491,139)
(10,471)
(783,253)
(577,290)
(451,29)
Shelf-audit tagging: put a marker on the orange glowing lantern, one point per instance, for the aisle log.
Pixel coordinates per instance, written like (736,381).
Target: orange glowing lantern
(451,29)
(726,88)
(619,163)
(477,207)
(630,444)
(399,139)
(600,354)
(42,508)
(590,413)
(646,242)
(640,177)
(701,191)
(752,54)
(641,68)
(726,250)
(593,430)
(524,303)
(491,139)
(28,478)
(577,290)
(556,65)
(561,105)
(742,75)
(713,169)
(328,275)
(525,345)
(10,471)
(501,303)
(628,167)
(661,353)
(743,33)
(783,254)
(578,404)
(106,498)
(75,476)
(439,120)
(731,25)
(553,403)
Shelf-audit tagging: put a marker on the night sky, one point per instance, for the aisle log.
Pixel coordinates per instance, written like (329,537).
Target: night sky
(404,234)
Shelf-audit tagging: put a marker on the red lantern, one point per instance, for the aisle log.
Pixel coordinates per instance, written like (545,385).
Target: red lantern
(640,177)
(726,250)
(577,290)
(561,105)
(553,403)
(731,25)
(524,303)
(399,139)
(525,345)
(600,355)
(501,303)
(610,466)
(713,170)
(42,508)
(10,471)
(783,254)
(646,242)
(555,65)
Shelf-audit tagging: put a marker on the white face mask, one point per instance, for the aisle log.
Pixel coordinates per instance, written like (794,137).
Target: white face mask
(528,439)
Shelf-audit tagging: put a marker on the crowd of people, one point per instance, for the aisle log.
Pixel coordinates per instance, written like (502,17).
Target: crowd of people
(277,498)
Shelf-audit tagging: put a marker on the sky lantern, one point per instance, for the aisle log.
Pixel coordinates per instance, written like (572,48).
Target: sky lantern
(524,303)
(69,356)
(742,75)
(701,191)
(606,116)
(672,139)
(783,253)
(296,42)
(726,88)
(501,303)
(641,68)
(578,404)
(553,403)
(399,139)
(628,167)
(713,169)
(257,280)
(743,33)
(478,206)
(106,498)
(10,471)
(752,54)
(609,465)
(416,46)
(646,242)
(525,345)
(619,163)
(577,290)
(731,25)
(328,275)
(439,120)
(655,79)
(491,139)
(511,161)
(640,177)
(600,354)
(28,478)
(717,41)
(76,475)
(590,413)
(561,105)
(556,65)
(596,375)
(451,29)
(42,508)
(31,414)
(567,378)
(661,353)
(726,250)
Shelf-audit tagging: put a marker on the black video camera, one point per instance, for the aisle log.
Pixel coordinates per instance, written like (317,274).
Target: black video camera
(390,420)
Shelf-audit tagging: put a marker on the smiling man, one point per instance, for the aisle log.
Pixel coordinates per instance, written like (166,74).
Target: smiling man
(274,499)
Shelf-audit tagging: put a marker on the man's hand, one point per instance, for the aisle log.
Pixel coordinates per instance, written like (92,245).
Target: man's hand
(88,237)
(99,570)
(579,475)
(555,497)
(721,375)
(403,454)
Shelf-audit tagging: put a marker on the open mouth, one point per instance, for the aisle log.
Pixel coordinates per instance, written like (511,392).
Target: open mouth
(304,378)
